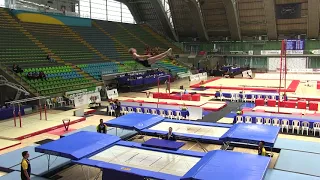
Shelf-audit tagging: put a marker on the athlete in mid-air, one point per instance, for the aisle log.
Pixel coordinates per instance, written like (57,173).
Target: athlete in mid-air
(148,60)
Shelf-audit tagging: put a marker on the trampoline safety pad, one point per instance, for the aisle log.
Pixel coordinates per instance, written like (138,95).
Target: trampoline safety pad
(252,134)
(78,145)
(228,165)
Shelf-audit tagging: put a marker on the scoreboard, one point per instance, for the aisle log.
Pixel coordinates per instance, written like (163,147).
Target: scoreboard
(295,44)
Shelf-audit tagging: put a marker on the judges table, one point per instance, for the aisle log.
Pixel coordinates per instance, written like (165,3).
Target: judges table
(290,117)
(163,144)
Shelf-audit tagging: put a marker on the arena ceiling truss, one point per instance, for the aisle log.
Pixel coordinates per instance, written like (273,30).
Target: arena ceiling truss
(231,19)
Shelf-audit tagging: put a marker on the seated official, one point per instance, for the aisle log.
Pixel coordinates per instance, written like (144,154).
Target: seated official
(170,136)
(102,128)
(262,151)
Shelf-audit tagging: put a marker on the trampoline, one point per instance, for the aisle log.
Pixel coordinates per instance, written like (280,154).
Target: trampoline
(251,134)
(118,158)
(228,165)
(184,130)
(189,129)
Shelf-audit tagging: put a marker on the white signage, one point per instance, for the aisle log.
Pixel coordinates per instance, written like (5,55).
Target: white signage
(278,52)
(316,51)
(247,74)
(112,94)
(198,77)
(80,100)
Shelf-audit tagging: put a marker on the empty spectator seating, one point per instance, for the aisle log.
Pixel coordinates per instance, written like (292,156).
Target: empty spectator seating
(170,65)
(97,69)
(63,42)
(16,47)
(59,79)
(103,43)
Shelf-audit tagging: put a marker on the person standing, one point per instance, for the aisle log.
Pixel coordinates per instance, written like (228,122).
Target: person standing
(118,108)
(25,166)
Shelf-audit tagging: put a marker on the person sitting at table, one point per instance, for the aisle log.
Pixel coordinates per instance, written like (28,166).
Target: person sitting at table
(170,136)
(101,128)
(185,91)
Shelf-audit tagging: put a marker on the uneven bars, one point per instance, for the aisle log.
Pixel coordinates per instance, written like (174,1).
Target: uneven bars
(14,116)
(19,113)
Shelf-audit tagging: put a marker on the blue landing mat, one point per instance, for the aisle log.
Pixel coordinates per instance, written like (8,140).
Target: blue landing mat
(122,133)
(15,175)
(273,174)
(39,166)
(13,158)
(299,162)
(296,145)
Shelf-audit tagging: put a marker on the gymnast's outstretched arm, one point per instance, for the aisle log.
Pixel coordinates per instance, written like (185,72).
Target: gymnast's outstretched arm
(141,57)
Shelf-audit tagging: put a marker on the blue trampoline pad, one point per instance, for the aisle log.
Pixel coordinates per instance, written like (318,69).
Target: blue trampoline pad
(252,134)
(273,174)
(228,165)
(78,145)
(135,121)
(299,162)
(13,158)
(39,165)
(296,145)
(16,175)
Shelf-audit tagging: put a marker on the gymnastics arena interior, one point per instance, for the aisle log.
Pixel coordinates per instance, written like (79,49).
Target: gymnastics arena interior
(224,75)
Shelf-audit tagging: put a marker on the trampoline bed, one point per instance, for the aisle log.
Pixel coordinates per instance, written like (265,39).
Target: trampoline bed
(190,129)
(143,159)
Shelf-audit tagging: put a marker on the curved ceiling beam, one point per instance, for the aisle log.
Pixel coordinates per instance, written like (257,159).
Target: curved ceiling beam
(270,13)
(162,15)
(233,19)
(133,9)
(313,19)
(198,20)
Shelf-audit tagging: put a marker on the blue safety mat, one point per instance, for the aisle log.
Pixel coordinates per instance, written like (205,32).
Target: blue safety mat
(273,174)
(78,145)
(163,144)
(17,175)
(122,133)
(296,145)
(39,165)
(252,134)
(299,162)
(13,158)
(228,165)
(135,121)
